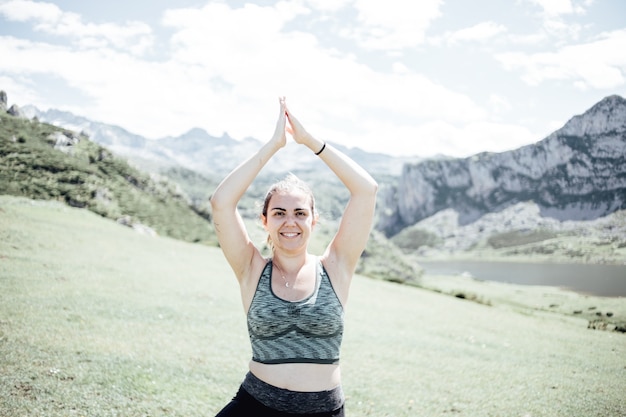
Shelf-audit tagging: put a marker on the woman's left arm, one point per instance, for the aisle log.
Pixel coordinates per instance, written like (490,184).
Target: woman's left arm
(354,229)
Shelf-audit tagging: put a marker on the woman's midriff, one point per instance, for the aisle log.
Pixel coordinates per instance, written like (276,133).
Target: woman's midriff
(303,377)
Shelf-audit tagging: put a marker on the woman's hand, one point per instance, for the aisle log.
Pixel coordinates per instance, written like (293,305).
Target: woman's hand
(296,130)
(279,137)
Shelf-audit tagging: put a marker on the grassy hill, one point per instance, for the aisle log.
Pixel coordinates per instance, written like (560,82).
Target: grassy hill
(98,320)
(41,161)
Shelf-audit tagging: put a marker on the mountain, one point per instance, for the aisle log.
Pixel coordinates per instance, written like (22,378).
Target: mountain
(197,161)
(576,173)
(562,197)
(45,162)
(198,151)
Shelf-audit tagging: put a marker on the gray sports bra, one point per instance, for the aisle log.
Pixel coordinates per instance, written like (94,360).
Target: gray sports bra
(305,331)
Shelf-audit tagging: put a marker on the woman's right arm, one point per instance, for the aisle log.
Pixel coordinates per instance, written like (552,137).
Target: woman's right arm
(231,231)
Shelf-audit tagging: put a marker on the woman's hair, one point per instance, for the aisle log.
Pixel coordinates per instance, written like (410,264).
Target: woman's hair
(286,185)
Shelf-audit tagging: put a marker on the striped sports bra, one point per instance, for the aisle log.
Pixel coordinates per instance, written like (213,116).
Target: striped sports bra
(305,331)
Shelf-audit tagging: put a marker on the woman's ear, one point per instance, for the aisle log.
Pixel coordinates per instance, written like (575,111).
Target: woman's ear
(263,221)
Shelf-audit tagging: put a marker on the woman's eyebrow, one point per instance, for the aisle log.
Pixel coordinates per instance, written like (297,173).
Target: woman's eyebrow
(283,209)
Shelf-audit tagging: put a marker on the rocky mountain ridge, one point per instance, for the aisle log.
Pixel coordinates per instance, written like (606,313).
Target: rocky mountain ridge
(201,152)
(576,173)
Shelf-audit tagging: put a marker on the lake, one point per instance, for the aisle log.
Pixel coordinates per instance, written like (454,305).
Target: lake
(602,280)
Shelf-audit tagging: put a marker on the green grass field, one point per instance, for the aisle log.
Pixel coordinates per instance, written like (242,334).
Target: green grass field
(99,320)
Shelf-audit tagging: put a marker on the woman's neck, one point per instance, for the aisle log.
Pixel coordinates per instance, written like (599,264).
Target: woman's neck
(291,262)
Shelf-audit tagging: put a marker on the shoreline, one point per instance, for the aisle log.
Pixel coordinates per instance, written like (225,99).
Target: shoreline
(493,256)
(593,312)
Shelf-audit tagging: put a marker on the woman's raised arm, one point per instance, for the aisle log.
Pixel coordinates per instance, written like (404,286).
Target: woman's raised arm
(231,232)
(356,222)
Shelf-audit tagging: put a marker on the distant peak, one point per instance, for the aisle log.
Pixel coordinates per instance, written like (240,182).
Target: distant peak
(610,104)
(196,131)
(608,115)
(612,100)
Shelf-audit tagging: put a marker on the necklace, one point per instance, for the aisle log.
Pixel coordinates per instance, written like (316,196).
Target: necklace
(282,274)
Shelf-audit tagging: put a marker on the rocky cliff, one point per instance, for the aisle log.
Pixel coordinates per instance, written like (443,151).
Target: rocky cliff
(576,173)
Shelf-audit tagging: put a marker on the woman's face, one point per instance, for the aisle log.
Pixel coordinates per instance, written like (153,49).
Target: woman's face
(289,220)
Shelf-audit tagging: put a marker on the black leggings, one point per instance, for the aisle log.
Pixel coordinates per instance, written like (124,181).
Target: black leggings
(245,405)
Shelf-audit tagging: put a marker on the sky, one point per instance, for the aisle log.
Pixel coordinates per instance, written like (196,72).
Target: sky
(404,78)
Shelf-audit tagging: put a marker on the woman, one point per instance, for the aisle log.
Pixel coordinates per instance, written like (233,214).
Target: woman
(294,301)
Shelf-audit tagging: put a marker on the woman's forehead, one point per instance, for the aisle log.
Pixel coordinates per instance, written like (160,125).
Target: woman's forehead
(291,199)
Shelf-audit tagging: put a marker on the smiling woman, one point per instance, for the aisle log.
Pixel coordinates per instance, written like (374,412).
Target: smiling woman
(295,311)
(292,213)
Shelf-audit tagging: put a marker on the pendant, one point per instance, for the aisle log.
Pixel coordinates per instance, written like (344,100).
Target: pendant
(286,284)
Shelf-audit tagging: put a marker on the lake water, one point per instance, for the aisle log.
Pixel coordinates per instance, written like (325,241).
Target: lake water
(603,280)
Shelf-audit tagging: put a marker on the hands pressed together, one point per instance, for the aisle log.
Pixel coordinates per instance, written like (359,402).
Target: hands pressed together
(287,123)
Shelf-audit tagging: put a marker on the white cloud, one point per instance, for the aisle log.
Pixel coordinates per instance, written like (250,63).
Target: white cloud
(595,64)
(49,18)
(328,5)
(499,104)
(23,10)
(392,24)
(495,137)
(19,90)
(437,137)
(554,7)
(530,40)
(217,76)
(561,30)
(264,62)
(225,79)
(478,33)
(557,17)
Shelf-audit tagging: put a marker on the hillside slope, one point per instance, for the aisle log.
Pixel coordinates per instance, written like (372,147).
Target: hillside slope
(41,161)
